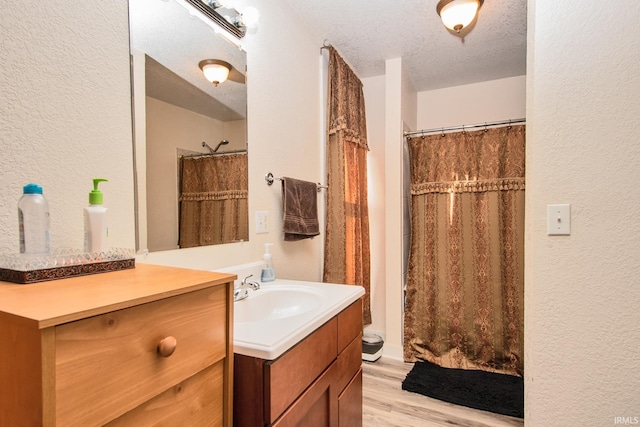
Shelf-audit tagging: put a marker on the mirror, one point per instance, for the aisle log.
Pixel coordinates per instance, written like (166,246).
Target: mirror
(180,116)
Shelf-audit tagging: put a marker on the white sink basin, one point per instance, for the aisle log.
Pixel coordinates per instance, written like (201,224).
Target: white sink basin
(277,302)
(281,313)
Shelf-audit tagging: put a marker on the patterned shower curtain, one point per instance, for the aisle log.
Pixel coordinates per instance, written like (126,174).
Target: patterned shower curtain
(346,252)
(465,284)
(213,200)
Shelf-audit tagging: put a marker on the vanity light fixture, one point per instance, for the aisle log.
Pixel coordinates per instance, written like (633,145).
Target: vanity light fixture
(458,14)
(217,4)
(215,70)
(225,14)
(249,17)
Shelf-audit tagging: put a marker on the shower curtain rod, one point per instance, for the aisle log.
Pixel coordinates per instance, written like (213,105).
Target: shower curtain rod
(191,156)
(465,127)
(325,45)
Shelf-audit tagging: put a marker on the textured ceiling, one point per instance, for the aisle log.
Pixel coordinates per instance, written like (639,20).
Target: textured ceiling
(365,32)
(368,32)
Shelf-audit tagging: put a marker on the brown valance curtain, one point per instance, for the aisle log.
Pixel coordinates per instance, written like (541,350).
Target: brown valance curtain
(346,254)
(465,284)
(213,200)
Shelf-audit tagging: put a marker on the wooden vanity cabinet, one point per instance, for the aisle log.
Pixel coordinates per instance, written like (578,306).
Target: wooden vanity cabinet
(318,382)
(147,346)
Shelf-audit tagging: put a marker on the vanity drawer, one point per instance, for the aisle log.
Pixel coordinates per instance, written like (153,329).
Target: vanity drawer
(295,370)
(349,324)
(349,363)
(109,364)
(197,401)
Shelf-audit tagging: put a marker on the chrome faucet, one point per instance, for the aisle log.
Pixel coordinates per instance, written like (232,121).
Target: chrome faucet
(242,291)
(253,285)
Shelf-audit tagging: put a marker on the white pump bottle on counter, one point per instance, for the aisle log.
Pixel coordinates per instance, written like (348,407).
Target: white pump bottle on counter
(96,231)
(267,274)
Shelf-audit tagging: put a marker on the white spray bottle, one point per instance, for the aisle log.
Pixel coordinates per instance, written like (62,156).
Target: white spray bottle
(96,231)
(268,274)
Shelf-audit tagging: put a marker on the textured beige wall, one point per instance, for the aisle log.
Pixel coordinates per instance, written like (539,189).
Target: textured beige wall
(582,292)
(65,114)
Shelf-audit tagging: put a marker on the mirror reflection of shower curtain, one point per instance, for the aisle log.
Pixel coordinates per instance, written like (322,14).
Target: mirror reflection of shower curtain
(465,285)
(213,200)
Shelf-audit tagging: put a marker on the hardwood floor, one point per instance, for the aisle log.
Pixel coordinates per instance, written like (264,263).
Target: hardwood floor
(387,405)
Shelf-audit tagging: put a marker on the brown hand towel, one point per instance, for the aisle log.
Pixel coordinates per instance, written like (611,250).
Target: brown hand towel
(300,199)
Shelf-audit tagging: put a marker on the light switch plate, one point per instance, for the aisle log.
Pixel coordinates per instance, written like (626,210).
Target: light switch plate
(558,220)
(262,222)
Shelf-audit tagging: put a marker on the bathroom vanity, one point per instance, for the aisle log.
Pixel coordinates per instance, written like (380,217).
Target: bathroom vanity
(130,347)
(316,382)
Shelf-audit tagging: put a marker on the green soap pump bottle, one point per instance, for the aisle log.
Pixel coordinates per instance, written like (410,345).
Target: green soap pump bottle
(96,231)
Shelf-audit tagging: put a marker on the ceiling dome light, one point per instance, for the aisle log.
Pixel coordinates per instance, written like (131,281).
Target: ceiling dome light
(215,70)
(457,14)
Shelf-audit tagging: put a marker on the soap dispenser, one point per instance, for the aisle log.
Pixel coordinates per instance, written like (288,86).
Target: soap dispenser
(268,274)
(96,231)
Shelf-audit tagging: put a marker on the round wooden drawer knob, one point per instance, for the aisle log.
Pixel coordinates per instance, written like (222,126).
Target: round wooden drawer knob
(167,346)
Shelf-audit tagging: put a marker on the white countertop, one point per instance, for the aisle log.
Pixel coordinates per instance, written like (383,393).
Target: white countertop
(271,321)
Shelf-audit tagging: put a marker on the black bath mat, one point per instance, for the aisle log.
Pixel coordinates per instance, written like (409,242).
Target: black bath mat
(488,391)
